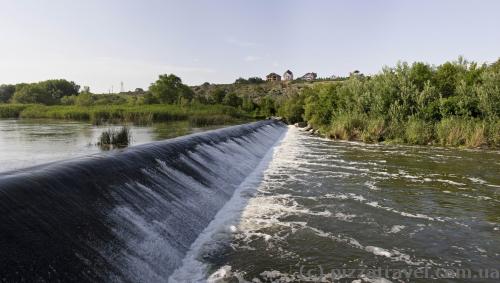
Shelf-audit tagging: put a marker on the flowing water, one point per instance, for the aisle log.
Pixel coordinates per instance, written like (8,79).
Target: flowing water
(329,210)
(260,202)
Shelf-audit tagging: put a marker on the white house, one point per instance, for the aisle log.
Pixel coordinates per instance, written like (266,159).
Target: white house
(288,76)
(309,77)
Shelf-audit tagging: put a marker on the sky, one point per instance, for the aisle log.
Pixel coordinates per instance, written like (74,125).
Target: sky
(101,43)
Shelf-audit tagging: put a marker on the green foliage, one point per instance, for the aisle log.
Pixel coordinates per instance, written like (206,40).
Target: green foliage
(293,109)
(348,126)
(461,132)
(251,80)
(232,99)
(217,95)
(247,104)
(6,93)
(12,110)
(169,89)
(267,107)
(33,93)
(139,114)
(454,104)
(418,132)
(116,138)
(48,92)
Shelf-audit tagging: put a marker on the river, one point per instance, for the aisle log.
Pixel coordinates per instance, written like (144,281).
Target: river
(364,213)
(28,142)
(254,203)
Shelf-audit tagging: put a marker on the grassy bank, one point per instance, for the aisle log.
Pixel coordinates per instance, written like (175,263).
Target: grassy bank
(454,131)
(139,114)
(454,104)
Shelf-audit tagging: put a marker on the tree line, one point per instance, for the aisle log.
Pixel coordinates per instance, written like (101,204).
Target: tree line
(456,103)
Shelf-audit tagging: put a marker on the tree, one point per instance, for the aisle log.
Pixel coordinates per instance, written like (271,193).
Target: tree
(33,93)
(446,79)
(6,92)
(232,99)
(247,104)
(240,80)
(169,89)
(59,88)
(420,73)
(217,95)
(267,106)
(293,109)
(255,80)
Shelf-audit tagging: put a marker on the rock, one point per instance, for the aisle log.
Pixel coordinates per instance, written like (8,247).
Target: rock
(300,124)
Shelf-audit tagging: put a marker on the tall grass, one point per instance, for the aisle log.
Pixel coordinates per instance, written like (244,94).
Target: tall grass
(418,132)
(462,132)
(347,126)
(139,114)
(11,110)
(115,138)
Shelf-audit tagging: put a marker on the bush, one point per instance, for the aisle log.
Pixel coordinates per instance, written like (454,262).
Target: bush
(418,132)
(348,126)
(461,132)
(374,131)
(11,110)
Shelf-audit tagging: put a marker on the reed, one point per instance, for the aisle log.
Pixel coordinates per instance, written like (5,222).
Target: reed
(115,138)
(138,114)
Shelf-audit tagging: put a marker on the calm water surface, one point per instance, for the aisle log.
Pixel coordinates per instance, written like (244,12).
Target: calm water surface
(25,143)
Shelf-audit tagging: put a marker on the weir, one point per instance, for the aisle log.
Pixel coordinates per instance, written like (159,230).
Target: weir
(127,216)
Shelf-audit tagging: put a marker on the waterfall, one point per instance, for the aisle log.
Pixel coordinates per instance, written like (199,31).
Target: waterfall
(123,216)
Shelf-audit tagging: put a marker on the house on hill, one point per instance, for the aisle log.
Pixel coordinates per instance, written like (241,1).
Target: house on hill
(288,76)
(273,77)
(309,77)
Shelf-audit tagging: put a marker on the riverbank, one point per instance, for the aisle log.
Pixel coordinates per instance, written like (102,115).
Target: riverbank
(199,115)
(452,132)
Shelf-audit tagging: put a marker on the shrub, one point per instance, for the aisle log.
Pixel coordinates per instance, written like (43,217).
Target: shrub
(115,138)
(418,132)
(462,132)
(348,126)
(374,131)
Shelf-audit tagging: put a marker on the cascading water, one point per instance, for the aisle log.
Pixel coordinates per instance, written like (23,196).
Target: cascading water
(129,216)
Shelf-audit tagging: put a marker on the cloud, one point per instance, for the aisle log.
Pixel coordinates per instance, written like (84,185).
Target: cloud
(251,58)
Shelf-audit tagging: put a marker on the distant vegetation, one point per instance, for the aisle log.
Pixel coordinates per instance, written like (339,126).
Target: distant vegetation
(453,104)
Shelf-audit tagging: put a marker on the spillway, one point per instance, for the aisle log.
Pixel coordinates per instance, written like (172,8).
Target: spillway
(123,216)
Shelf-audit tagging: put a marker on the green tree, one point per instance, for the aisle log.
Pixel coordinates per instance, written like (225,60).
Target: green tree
(6,92)
(33,93)
(445,79)
(60,88)
(293,109)
(232,99)
(267,106)
(217,95)
(169,89)
(247,104)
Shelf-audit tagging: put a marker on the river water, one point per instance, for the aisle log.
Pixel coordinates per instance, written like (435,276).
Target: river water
(252,203)
(327,210)
(28,142)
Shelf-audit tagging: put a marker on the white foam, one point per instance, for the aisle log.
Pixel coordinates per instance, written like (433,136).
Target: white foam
(219,229)
(371,186)
(396,229)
